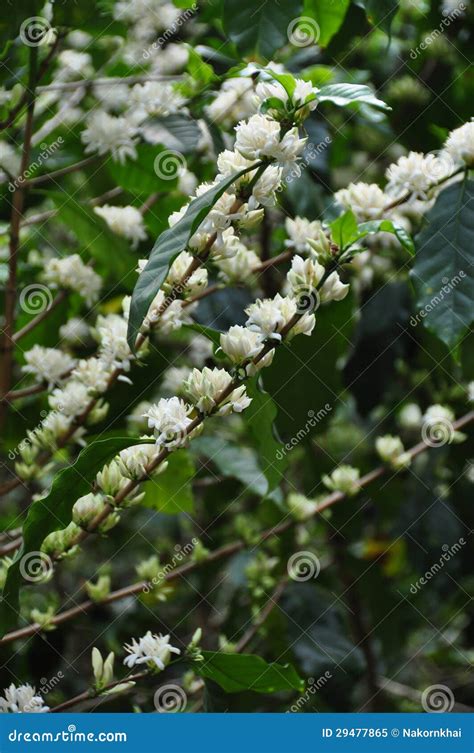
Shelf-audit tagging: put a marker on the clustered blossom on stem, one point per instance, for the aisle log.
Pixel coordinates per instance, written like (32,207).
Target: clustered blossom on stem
(22,700)
(48,364)
(125,221)
(153,650)
(343,479)
(391,451)
(71,273)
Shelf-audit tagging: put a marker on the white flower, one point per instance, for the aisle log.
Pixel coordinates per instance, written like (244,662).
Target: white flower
(21,700)
(264,189)
(172,59)
(111,333)
(167,319)
(301,508)
(205,387)
(109,134)
(133,460)
(460,144)
(470,392)
(343,479)
(187,181)
(48,364)
(155,650)
(299,230)
(438,425)
(75,332)
(229,163)
(125,221)
(333,289)
(94,373)
(240,267)
(169,419)
(240,343)
(87,508)
(390,449)
(410,416)
(71,400)
(257,137)
(174,379)
(154,98)
(270,315)
(71,273)
(367,200)
(74,65)
(233,102)
(196,282)
(414,174)
(304,274)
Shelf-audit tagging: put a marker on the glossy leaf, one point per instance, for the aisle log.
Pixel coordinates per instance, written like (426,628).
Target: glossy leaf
(259,28)
(443,270)
(239,672)
(345,95)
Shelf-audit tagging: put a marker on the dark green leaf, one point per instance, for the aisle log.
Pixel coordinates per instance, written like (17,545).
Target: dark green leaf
(154,170)
(328,15)
(238,672)
(443,271)
(259,28)
(167,247)
(178,132)
(260,417)
(234,461)
(171,491)
(53,512)
(380,12)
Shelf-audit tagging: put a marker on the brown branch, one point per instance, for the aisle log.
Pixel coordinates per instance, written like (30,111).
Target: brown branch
(225,551)
(32,182)
(14,244)
(87,695)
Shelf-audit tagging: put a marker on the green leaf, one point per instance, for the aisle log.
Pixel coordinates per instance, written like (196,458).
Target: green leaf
(201,72)
(443,270)
(140,176)
(238,672)
(53,512)
(260,417)
(167,247)
(328,15)
(345,95)
(380,12)
(344,229)
(259,28)
(385,226)
(233,461)
(111,252)
(171,492)
(177,132)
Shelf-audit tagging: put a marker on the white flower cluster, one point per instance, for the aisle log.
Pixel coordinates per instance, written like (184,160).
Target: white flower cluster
(125,221)
(22,700)
(50,365)
(71,273)
(110,134)
(154,650)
